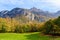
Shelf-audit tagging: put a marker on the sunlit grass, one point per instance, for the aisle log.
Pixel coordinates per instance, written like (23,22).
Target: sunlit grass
(25,36)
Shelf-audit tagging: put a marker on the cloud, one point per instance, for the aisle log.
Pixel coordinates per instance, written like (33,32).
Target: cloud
(50,2)
(13,2)
(50,5)
(9,4)
(43,4)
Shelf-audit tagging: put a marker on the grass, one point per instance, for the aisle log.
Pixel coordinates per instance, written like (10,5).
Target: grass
(25,36)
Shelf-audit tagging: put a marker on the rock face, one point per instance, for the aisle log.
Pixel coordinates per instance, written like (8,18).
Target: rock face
(30,14)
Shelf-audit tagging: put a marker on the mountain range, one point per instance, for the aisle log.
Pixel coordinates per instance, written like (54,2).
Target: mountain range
(29,14)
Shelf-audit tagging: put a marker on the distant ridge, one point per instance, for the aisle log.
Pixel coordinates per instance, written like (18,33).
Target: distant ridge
(31,14)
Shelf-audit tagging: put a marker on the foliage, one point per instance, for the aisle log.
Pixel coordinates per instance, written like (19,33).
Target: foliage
(12,25)
(52,27)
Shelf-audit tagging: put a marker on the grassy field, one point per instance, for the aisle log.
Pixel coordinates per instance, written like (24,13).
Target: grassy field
(25,36)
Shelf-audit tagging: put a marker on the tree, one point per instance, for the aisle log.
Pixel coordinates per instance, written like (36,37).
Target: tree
(48,27)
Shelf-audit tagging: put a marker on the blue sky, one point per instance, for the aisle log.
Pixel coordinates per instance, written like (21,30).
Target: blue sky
(46,5)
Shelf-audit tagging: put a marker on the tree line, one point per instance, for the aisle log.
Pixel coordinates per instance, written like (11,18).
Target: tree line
(51,27)
(14,26)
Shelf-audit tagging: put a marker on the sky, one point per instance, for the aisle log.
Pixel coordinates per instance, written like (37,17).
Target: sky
(46,5)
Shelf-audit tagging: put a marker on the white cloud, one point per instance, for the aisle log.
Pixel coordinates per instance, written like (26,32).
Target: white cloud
(13,2)
(9,4)
(49,4)
(16,1)
(55,3)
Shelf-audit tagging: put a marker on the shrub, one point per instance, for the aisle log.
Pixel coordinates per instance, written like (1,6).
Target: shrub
(52,27)
(48,27)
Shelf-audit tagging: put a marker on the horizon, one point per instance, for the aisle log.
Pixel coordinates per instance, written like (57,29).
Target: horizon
(46,5)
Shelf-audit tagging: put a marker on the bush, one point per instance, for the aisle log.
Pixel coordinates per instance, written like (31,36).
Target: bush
(48,27)
(52,27)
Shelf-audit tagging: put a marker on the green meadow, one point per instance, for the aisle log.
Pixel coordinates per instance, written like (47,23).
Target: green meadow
(26,36)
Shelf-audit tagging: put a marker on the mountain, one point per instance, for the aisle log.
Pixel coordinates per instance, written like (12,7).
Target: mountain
(28,14)
(4,12)
(57,14)
(40,12)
